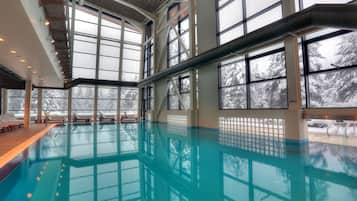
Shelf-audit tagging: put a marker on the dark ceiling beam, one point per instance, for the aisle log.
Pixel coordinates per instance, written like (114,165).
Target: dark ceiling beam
(80,81)
(53,18)
(51,2)
(317,16)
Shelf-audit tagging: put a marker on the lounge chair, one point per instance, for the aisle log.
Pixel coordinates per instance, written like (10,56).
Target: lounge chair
(9,122)
(103,118)
(49,119)
(76,118)
(128,119)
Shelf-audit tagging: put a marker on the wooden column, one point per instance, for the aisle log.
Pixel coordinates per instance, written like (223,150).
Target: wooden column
(27,106)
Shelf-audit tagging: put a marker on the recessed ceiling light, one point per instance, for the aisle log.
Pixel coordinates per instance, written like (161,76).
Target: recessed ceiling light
(22,60)
(53,41)
(2,39)
(13,51)
(29,67)
(47,23)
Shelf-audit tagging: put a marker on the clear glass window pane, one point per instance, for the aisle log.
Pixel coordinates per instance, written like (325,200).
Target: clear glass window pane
(84,60)
(55,102)
(130,77)
(254,7)
(131,66)
(231,34)
(83,73)
(264,19)
(335,52)
(234,97)
(86,28)
(268,67)
(83,100)
(107,100)
(233,74)
(108,48)
(333,89)
(132,36)
(230,14)
(129,101)
(269,94)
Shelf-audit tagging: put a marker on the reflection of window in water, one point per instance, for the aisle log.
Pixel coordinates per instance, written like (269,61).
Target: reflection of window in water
(81,183)
(128,138)
(107,181)
(180,157)
(236,173)
(107,141)
(130,180)
(54,144)
(82,139)
(235,176)
(148,141)
(176,195)
(110,178)
(279,189)
(149,184)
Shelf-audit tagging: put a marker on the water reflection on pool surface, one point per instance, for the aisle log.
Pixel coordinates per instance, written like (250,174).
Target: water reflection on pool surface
(152,161)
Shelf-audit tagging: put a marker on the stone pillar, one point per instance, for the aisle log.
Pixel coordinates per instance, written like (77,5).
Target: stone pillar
(39,106)
(208,78)
(27,106)
(295,126)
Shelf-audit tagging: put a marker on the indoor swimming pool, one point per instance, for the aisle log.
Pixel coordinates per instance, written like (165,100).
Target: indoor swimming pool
(159,162)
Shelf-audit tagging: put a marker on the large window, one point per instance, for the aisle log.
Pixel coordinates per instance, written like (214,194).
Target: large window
(179,93)
(131,54)
(180,157)
(331,68)
(83,100)
(107,100)
(148,69)
(110,43)
(239,17)
(85,43)
(129,100)
(109,48)
(16,103)
(147,98)
(179,38)
(254,81)
(55,102)
(327,63)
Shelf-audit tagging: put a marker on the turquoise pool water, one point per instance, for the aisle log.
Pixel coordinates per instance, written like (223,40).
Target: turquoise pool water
(160,162)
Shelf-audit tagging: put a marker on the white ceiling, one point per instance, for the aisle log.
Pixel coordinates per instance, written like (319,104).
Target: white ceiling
(22,26)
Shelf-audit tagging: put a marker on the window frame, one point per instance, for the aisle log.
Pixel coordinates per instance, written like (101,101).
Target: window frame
(180,92)
(245,18)
(307,72)
(248,82)
(180,19)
